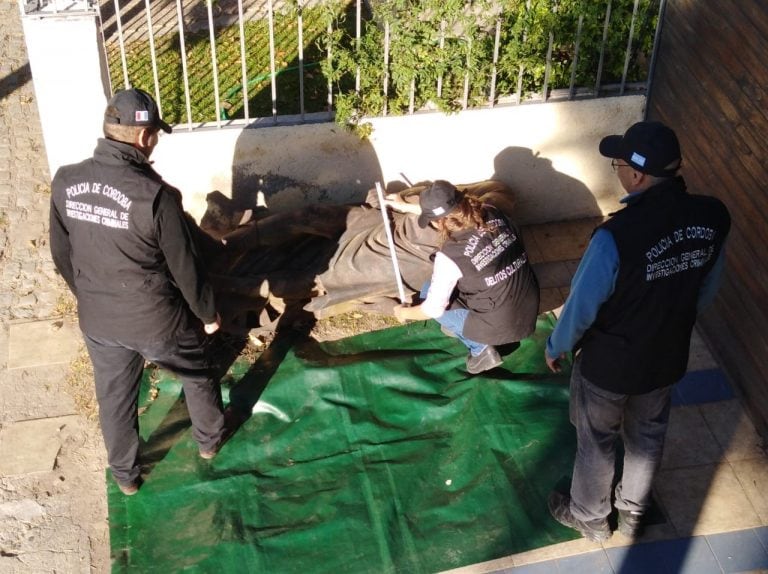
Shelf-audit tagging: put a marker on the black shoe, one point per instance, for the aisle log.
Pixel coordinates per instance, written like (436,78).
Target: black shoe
(630,523)
(560,508)
(487,359)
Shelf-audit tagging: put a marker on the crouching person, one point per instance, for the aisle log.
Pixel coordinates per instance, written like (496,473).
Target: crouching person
(483,290)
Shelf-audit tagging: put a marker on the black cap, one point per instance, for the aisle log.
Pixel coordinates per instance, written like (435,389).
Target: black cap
(437,201)
(649,147)
(134,107)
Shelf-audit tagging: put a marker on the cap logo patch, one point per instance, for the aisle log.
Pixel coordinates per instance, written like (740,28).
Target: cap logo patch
(141,116)
(438,211)
(637,159)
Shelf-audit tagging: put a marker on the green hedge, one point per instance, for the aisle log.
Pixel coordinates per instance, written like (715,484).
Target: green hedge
(415,55)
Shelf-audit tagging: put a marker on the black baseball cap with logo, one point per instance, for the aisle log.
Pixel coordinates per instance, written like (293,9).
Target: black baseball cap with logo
(134,107)
(649,147)
(437,201)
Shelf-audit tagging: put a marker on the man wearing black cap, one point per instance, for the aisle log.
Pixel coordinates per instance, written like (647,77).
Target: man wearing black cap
(121,240)
(646,273)
(483,290)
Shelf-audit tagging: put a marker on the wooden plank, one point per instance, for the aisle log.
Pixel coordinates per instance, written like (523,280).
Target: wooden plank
(715,140)
(696,135)
(710,85)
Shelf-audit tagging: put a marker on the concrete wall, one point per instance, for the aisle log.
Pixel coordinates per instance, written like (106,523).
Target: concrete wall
(71,84)
(546,152)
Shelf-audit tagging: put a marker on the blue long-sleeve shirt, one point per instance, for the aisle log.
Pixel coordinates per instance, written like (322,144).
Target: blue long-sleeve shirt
(594,282)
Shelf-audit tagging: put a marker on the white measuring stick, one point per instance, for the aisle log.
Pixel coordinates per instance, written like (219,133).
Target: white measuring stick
(391,243)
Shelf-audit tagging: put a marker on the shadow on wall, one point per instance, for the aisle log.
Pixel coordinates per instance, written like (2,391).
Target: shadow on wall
(294,166)
(543,193)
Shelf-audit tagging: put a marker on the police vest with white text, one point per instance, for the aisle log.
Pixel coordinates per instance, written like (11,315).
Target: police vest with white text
(121,278)
(667,241)
(497,285)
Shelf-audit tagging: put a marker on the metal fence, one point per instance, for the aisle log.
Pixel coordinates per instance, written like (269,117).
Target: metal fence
(235,62)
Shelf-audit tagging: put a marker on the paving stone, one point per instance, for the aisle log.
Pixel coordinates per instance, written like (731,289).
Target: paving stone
(30,446)
(46,342)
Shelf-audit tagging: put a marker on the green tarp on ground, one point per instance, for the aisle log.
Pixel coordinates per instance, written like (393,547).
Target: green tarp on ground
(373,454)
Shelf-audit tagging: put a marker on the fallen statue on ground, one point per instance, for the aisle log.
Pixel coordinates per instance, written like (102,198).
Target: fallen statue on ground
(321,259)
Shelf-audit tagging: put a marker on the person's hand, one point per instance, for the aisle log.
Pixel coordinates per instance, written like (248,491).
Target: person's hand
(394,201)
(211,328)
(399,311)
(554,364)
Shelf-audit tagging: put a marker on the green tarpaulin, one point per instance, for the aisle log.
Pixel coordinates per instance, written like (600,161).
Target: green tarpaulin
(372,454)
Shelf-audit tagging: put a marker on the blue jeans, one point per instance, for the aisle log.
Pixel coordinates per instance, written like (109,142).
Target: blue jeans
(453,320)
(600,417)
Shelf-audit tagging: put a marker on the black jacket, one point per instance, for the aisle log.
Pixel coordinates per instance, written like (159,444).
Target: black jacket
(497,285)
(667,241)
(121,240)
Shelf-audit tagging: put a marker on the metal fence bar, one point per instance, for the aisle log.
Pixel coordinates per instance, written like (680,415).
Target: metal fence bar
(465,99)
(154,58)
(497,42)
(655,52)
(442,47)
(521,69)
(386,65)
(243,66)
(273,74)
(185,74)
(548,68)
(602,48)
(571,89)
(121,43)
(301,61)
(358,35)
(330,66)
(214,61)
(628,55)
(103,43)
(412,96)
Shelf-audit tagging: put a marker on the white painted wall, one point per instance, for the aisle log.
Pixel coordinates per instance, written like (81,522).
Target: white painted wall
(71,85)
(546,152)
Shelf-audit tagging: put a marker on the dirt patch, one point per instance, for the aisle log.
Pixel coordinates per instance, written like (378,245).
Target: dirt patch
(349,324)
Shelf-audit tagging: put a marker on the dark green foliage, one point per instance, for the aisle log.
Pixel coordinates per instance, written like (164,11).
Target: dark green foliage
(440,54)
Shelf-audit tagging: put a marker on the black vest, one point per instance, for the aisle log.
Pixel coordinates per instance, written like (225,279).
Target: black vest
(124,288)
(497,285)
(667,240)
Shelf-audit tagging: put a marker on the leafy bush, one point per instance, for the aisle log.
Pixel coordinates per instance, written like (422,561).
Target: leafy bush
(440,55)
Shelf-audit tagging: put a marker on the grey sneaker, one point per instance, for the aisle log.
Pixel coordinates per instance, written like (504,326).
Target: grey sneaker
(488,359)
(232,421)
(560,508)
(210,453)
(630,523)
(129,488)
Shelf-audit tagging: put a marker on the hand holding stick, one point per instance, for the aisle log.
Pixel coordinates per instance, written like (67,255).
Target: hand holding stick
(390,242)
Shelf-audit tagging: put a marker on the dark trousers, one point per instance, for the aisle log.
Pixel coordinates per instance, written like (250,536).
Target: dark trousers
(600,418)
(117,369)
